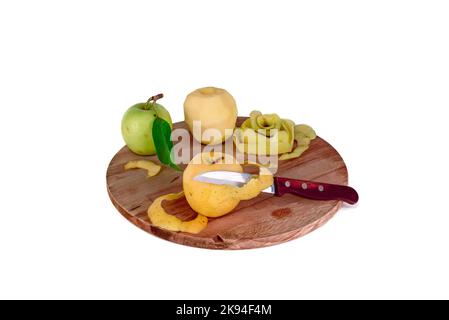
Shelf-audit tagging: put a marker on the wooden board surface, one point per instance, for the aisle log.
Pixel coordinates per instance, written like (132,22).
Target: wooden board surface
(263,221)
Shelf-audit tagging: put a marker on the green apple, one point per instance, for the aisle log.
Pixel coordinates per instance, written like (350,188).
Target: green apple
(137,125)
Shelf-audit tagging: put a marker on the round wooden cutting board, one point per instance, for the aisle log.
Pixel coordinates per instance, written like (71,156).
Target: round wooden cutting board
(263,221)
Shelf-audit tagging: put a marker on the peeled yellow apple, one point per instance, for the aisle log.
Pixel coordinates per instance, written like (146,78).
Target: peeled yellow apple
(212,200)
(215,109)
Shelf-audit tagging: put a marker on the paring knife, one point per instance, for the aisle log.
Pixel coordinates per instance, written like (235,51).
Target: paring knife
(303,188)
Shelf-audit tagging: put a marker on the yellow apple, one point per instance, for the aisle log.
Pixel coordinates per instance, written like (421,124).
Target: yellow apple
(212,200)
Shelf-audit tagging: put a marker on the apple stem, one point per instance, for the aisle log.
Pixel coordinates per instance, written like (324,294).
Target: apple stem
(152,100)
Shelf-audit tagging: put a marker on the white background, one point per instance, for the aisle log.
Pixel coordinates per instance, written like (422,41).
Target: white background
(372,77)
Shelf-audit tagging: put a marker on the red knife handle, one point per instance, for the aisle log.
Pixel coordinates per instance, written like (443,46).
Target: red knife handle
(315,190)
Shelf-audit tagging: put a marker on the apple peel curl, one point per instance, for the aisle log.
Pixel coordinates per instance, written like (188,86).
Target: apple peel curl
(304,134)
(160,218)
(152,168)
(264,134)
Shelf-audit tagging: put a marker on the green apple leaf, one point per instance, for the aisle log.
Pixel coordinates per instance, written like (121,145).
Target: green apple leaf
(163,143)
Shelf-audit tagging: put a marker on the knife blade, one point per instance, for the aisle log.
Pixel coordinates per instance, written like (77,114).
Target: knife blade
(232,178)
(303,188)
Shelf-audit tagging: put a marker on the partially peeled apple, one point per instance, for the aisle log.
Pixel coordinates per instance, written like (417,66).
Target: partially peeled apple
(208,200)
(214,200)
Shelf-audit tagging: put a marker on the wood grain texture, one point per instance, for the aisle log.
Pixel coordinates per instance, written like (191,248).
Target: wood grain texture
(263,221)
